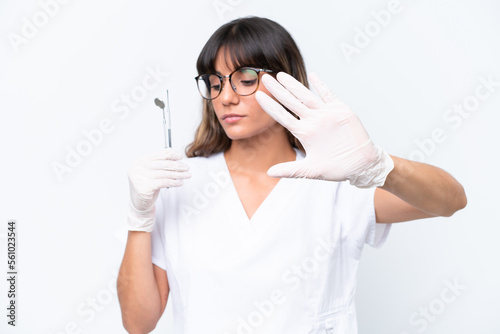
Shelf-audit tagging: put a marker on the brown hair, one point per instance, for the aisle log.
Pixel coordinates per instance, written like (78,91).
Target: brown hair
(253,42)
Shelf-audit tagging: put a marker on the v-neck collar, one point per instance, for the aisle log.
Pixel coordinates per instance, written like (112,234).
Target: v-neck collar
(272,193)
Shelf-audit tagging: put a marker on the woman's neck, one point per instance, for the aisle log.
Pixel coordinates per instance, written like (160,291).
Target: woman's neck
(258,153)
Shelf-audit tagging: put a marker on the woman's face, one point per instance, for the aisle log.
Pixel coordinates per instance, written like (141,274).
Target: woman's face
(250,119)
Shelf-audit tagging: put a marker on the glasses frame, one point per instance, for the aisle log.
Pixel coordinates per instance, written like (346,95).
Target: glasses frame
(221,78)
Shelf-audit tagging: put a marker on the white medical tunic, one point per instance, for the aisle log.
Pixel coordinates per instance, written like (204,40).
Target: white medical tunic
(290,269)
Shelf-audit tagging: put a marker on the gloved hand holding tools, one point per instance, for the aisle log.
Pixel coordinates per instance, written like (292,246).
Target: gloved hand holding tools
(147,176)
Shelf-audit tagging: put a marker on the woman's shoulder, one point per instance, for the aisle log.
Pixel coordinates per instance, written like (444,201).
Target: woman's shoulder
(204,162)
(204,167)
(204,170)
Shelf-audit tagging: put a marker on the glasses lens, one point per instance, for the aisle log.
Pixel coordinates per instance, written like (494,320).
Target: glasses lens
(245,81)
(209,86)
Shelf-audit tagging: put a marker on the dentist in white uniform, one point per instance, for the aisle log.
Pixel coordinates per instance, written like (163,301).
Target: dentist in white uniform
(261,229)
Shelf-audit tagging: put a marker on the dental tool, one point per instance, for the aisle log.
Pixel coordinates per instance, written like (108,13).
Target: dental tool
(161,105)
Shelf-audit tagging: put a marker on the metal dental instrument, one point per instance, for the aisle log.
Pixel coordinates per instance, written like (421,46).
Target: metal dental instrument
(161,104)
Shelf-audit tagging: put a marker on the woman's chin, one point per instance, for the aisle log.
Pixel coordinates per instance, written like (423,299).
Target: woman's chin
(237,136)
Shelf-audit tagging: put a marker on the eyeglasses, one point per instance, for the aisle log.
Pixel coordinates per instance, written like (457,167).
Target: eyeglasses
(244,81)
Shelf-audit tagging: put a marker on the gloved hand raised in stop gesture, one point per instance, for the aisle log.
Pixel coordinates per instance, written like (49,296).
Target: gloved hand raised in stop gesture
(337,145)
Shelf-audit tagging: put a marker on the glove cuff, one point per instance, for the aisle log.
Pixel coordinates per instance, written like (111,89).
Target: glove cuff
(140,220)
(376,174)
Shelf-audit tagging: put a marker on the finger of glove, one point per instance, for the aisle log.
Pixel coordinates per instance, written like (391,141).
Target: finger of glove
(178,166)
(144,182)
(326,94)
(294,169)
(276,111)
(301,92)
(164,154)
(146,170)
(167,174)
(284,96)
(147,188)
(166,183)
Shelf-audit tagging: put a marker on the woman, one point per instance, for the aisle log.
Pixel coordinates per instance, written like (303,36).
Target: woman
(259,232)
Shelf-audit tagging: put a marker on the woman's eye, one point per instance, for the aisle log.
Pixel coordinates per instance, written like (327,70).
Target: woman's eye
(248,82)
(215,87)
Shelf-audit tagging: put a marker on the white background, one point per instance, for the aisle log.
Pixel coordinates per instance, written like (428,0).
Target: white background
(72,72)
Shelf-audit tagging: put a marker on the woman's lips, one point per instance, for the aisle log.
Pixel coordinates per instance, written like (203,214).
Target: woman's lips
(231,118)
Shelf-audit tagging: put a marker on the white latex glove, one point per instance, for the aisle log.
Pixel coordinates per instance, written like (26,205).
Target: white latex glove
(337,145)
(147,176)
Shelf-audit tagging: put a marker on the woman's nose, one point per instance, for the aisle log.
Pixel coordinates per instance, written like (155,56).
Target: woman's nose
(228,95)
